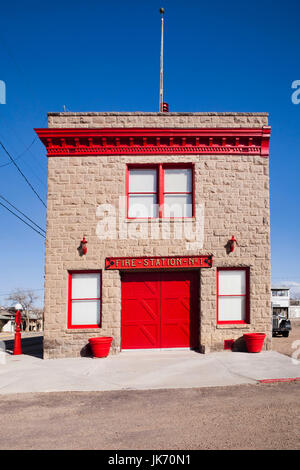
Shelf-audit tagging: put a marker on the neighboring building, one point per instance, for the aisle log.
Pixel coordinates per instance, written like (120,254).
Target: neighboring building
(175,211)
(35,321)
(294,312)
(31,321)
(280,300)
(6,320)
(294,308)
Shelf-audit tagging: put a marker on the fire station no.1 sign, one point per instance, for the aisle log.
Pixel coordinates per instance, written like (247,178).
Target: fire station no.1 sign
(159,262)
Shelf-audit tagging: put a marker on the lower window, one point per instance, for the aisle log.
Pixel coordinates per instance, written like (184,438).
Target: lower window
(84,309)
(232,295)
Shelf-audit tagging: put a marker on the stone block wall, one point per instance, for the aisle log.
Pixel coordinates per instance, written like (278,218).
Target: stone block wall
(232,192)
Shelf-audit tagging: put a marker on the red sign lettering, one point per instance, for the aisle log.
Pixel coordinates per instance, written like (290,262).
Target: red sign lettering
(158,262)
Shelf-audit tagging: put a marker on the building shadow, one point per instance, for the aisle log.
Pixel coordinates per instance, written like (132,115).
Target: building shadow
(31,346)
(239,345)
(86,351)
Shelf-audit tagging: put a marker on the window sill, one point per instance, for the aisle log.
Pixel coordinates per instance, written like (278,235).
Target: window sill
(82,330)
(154,219)
(234,326)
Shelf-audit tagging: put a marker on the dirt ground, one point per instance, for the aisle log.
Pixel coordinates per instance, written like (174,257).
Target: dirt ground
(285,345)
(239,417)
(263,416)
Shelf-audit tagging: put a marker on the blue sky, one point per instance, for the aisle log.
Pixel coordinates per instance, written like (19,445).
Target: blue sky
(104,56)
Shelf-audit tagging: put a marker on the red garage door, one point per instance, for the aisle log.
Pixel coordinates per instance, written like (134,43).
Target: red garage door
(159,310)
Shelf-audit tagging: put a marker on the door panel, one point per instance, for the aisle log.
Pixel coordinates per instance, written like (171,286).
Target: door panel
(178,311)
(140,311)
(159,310)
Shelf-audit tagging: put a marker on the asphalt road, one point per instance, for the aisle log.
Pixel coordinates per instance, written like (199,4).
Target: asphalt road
(264,416)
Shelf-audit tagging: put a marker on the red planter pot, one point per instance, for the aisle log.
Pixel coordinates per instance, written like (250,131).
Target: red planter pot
(254,341)
(100,346)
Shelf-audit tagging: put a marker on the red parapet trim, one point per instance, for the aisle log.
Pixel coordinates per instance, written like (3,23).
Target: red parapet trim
(152,132)
(155,141)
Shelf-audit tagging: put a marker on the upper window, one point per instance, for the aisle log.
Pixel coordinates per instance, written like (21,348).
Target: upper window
(142,193)
(178,192)
(84,299)
(233,295)
(280,293)
(160,191)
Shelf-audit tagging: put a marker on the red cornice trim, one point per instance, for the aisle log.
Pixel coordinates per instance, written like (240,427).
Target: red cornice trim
(157,141)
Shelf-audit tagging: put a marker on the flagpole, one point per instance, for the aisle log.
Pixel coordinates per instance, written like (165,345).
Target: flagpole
(161,85)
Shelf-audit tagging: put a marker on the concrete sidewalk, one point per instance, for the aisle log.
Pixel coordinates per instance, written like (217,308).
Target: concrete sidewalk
(141,370)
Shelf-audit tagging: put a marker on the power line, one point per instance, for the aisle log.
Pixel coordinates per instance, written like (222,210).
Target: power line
(25,289)
(27,149)
(21,154)
(12,212)
(26,161)
(2,294)
(21,172)
(18,210)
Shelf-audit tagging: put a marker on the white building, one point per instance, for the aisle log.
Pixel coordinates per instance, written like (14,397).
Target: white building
(280,300)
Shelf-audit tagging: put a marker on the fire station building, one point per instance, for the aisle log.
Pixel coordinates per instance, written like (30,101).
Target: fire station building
(158,230)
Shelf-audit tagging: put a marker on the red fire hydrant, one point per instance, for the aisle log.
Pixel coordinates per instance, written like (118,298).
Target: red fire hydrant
(17,343)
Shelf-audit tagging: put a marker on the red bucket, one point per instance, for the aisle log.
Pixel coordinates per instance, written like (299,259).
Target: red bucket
(100,346)
(254,341)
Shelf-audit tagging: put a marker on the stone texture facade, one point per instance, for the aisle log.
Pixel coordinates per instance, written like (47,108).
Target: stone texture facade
(232,190)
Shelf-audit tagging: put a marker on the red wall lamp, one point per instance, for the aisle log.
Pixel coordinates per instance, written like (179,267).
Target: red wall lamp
(231,244)
(83,247)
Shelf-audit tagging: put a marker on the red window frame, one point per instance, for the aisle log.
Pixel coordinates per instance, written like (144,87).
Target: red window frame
(160,187)
(246,295)
(70,299)
(139,167)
